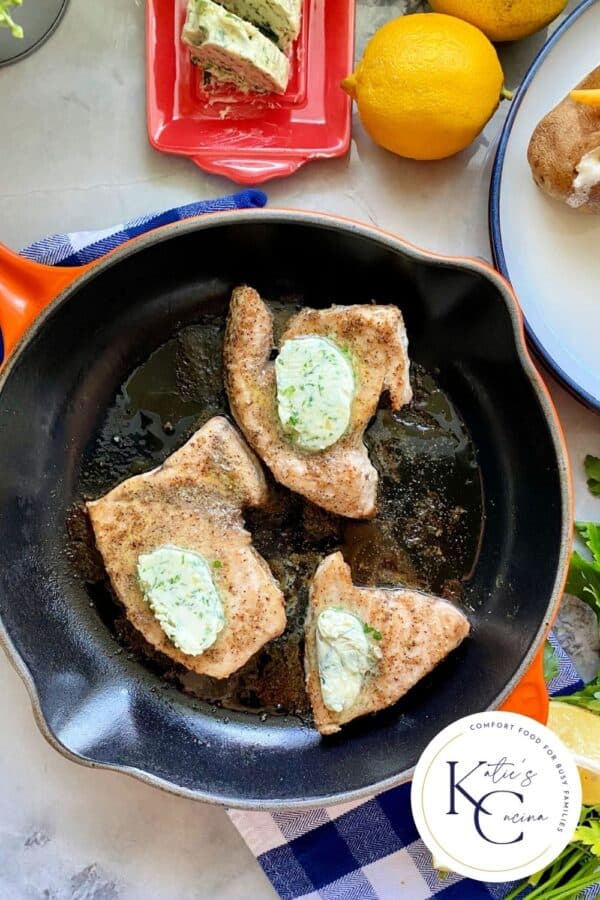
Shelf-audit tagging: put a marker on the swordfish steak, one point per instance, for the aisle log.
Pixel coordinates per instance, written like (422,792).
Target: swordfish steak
(190,510)
(367,647)
(305,413)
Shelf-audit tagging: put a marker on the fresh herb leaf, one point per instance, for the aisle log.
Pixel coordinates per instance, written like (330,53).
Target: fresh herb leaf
(584,573)
(588,697)
(584,581)
(551,665)
(589,532)
(7,21)
(591,465)
(588,834)
(372,632)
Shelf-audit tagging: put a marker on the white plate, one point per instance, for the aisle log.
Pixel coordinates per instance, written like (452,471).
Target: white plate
(549,252)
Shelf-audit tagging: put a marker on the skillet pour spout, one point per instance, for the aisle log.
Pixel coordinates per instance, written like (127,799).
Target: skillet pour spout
(87,331)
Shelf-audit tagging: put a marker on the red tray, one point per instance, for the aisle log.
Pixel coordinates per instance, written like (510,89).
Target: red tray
(251,139)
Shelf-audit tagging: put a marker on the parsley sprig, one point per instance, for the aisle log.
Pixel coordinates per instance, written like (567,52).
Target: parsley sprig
(6,20)
(371,632)
(588,697)
(577,867)
(584,573)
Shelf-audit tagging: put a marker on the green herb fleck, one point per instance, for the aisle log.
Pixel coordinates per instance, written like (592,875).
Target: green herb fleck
(371,632)
(217,564)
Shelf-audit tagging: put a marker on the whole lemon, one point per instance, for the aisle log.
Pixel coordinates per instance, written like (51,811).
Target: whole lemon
(426,85)
(503,20)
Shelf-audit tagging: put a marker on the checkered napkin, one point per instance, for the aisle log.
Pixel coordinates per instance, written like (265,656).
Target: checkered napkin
(367,849)
(364,850)
(82,247)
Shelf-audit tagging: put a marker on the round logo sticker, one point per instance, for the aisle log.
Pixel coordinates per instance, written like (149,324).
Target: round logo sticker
(496,796)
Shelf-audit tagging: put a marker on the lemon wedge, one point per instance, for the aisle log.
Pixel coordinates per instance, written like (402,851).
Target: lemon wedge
(579,730)
(589,97)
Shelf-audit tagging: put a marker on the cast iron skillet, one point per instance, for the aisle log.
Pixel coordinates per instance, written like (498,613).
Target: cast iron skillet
(105,709)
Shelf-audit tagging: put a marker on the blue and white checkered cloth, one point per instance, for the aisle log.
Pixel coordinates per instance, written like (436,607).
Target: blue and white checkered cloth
(81,247)
(363,850)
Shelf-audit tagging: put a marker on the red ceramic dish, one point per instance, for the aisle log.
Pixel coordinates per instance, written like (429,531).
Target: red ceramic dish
(251,138)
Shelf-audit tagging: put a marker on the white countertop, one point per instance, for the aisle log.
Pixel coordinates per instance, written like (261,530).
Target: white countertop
(74,157)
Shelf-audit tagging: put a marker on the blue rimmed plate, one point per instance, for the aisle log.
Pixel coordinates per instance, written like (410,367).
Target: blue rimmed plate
(549,252)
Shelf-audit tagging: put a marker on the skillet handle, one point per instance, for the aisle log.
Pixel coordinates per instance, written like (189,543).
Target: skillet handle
(26,287)
(530,697)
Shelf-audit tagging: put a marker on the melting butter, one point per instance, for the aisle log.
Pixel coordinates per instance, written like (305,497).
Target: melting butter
(315,391)
(345,653)
(179,588)
(588,176)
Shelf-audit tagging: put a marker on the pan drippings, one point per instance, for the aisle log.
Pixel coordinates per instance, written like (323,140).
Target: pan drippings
(426,534)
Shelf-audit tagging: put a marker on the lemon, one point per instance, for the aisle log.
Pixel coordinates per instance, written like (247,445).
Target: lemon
(579,730)
(502,20)
(426,85)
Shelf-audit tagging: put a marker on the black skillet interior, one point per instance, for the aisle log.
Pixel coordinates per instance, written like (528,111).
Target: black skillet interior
(110,709)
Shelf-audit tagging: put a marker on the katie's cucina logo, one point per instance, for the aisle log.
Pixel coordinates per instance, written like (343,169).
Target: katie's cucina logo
(496,796)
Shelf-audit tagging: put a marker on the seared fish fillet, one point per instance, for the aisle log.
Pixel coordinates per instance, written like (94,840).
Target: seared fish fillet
(194,501)
(340,478)
(415,632)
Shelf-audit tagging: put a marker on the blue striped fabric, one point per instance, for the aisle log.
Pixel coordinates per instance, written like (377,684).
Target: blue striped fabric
(78,248)
(365,850)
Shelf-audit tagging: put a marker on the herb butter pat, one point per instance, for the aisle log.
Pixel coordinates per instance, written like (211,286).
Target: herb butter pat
(345,653)
(279,19)
(315,391)
(233,50)
(180,591)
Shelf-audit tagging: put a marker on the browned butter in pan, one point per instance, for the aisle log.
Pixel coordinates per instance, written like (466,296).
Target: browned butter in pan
(426,533)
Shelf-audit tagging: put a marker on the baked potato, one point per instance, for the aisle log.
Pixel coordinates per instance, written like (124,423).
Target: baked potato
(564,151)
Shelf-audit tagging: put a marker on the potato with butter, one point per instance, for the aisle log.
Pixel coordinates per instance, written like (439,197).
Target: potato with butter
(564,151)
